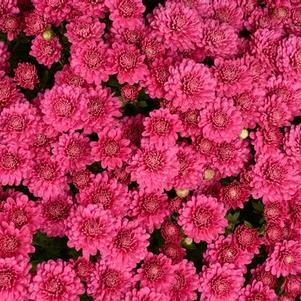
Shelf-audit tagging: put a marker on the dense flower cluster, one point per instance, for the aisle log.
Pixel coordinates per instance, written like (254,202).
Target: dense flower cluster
(150,152)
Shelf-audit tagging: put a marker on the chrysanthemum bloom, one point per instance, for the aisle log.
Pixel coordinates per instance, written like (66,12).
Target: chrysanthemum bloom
(221,121)
(260,274)
(89,229)
(128,245)
(149,208)
(72,151)
(202,218)
(292,285)
(190,86)
(221,282)
(205,148)
(14,164)
(226,250)
(83,268)
(54,213)
(129,93)
(47,52)
(176,25)
(62,107)
(174,251)
(22,213)
(84,30)
(81,178)
(292,143)
(154,166)
(267,140)
(15,278)
(4,56)
(285,259)
(157,77)
(26,75)
(66,76)
(277,232)
(247,239)
(106,192)
(218,40)
(14,242)
(257,291)
(55,280)
(249,103)
(275,211)
(91,61)
(189,172)
(230,158)
(93,8)
(151,47)
(234,195)
(190,123)
(156,272)
(161,127)
(132,129)
(274,176)
(125,12)
(35,23)
(100,109)
(127,62)
(111,149)
(171,232)
(46,178)
(109,282)
(185,283)
(18,123)
(145,294)
(11,25)
(232,76)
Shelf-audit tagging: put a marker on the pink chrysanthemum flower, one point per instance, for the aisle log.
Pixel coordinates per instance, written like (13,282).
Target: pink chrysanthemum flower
(205,148)
(151,47)
(292,285)
(66,76)
(171,232)
(106,192)
(221,121)
(109,282)
(84,30)
(274,176)
(93,8)
(91,61)
(127,62)
(221,282)
(46,178)
(11,25)
(202,218)
(14,164)
(218,40)
(232,76)
(190,86)
(55,280)
(145,294)
(285,258)
(259,274)
(189,171)
(149,208)
(185,283)
(226,250)
(83,268)
(26,75)
(128,245)
(15,278)
(18,123)
(190,122)
(89,229)
(234,195)
(292,143)
(22,213)
(176,25)
(174,251)
(54,212)
(156,272)
(111,149)
(276,211)
(100,109)
(154,166)
(81,178)
(129,93)
(35,24)
(62,107)
(230,158)
(161,127)
(14,242)
(125,12)
(47,52)
(257,291)
(72,151)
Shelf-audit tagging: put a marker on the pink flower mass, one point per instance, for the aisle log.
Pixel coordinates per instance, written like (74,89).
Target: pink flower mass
(150,150)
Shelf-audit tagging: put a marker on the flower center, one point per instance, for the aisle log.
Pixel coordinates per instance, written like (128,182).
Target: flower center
(93,59)
(191,84)
(7,279)
(127,8)
(125,240)
(92,228)
(275,172)
(178,22)
(160,126)
(54,287)
(9,161)
(111,279)
(63,107)
(111,148)
(95,107)
(46,171)
(225,152)
(127,60)
(18,217)
(161,74)
(16,123)
(8,245)
(153,271)
(202,217)
(75,149)
(220,286)
(228,74)
(56,211)
(153,160)
(103,196)
(150,204)
(219,119)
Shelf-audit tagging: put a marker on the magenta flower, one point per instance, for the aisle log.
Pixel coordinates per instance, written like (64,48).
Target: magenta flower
(26,75)
(257,290)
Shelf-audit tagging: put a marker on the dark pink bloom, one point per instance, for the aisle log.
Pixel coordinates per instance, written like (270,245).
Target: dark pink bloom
(292,285)
(171,232)
(26,75)
(66,76)
(35,24)
(83,268)
(174,251)
(259,274)
(257,290)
